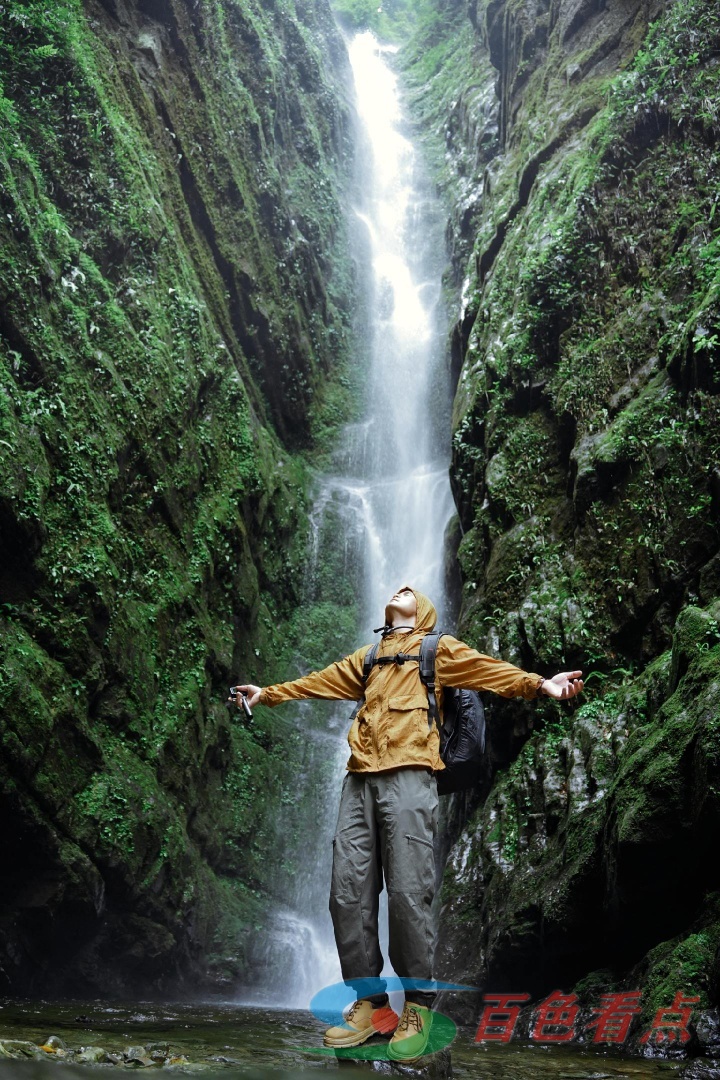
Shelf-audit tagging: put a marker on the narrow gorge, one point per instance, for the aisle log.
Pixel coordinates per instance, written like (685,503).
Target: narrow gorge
(210,353)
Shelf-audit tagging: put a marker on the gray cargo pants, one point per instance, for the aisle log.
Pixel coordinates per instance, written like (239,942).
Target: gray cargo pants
(386,826)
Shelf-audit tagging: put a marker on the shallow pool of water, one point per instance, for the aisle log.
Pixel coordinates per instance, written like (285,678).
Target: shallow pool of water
(227,1035)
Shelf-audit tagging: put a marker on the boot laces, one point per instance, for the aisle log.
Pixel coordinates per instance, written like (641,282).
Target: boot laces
(410,1018)
(352,1010)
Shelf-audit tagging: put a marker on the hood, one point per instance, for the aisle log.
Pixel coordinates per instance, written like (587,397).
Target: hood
(426,613)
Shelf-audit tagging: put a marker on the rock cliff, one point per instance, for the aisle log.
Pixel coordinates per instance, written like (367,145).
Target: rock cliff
(577,144)
(174,283)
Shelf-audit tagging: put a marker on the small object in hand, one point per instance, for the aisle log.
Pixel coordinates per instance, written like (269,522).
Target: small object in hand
(234,691)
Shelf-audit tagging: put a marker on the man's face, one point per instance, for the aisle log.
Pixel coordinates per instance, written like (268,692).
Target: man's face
(404,604)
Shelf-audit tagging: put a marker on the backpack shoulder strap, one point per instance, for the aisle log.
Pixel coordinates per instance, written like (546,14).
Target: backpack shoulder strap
(428,652)
(369,660)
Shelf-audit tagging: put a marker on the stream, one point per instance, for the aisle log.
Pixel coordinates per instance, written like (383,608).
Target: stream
(223,1036)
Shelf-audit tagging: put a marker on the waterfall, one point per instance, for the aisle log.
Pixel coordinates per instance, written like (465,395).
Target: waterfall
(401,469)
(389,495)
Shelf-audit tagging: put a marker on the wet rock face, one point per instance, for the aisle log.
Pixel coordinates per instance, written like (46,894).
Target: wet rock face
(586,436)
(579,38)
(174,295)
(258,177)
(559,872)
(575,407)
(702,1070)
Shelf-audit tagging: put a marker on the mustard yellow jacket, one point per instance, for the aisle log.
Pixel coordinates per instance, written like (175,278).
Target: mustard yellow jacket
(391,729)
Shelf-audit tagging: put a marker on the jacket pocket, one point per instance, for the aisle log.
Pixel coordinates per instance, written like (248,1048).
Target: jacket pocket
(414,701)
(360,737)
(408,720)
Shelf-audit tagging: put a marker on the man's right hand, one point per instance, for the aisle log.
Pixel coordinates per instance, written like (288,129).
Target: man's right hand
(563,686)
(252,693)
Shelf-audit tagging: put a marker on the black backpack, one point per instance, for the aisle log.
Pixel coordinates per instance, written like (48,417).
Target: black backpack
(462,732)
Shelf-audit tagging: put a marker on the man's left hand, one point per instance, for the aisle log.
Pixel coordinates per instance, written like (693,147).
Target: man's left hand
(565,685)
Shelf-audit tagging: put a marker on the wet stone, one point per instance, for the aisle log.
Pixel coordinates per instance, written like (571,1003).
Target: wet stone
(430,1067)
(92,1055)
(702,1069)
(19,1048)
(707,1031)
(55,1042)
(134,1053)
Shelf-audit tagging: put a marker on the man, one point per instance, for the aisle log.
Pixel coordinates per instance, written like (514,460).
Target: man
(388,809)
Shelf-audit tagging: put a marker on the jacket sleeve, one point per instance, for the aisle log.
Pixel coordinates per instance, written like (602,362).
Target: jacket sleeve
(456,664)
(342,680)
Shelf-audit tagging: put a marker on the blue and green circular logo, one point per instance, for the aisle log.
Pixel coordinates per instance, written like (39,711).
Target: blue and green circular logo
(329,1004)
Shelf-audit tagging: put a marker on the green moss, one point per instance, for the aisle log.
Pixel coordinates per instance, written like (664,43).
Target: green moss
(176,328)
(682,966)
(391,20)
(585,437)
(596,302)
(620,773)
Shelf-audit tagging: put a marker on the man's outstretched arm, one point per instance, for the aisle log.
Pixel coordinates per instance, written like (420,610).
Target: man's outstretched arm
(459,665)
(340,681)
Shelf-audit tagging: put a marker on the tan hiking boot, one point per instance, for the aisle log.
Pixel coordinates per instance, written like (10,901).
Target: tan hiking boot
(362,1021)
(412,1033)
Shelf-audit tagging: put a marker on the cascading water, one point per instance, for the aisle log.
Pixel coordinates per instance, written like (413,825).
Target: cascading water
(395,463)
(390,497)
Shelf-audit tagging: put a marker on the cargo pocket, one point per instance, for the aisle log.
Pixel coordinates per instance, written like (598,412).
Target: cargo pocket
(419,840)
(415,866)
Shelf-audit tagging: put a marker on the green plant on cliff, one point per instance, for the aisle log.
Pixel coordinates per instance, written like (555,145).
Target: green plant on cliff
(390,20)
(682,967)
(172,252)
(585,458)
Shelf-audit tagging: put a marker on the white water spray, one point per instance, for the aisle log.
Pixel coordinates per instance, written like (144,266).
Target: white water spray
(403,466)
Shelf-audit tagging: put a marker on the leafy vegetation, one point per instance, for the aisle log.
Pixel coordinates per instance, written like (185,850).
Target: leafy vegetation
(586,257)
(173,353)
(390,20)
